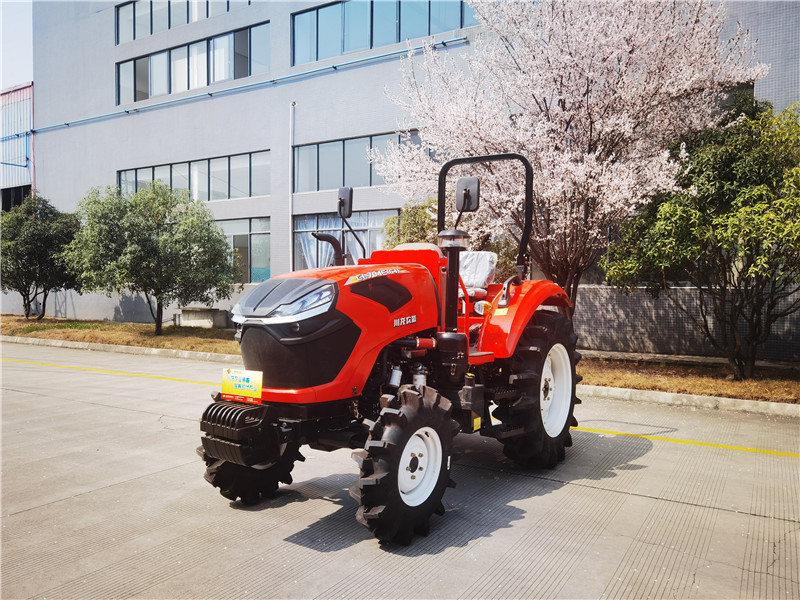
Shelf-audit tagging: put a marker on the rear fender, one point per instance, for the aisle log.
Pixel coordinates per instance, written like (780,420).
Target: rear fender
(504,326)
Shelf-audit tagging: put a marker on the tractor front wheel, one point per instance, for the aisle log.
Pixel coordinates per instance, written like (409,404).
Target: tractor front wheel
(251,484)
(405,465)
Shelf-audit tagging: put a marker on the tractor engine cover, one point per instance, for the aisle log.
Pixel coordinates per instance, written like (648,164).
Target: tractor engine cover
(324,328)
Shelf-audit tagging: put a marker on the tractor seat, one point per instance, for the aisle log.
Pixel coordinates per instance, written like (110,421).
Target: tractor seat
(477,272)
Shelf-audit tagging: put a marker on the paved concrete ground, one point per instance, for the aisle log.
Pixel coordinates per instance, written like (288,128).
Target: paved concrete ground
(103,497)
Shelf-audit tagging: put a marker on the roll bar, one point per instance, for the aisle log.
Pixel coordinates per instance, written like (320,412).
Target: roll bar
(526,230)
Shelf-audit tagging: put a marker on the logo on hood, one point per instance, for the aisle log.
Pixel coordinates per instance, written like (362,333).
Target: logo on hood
(373,275)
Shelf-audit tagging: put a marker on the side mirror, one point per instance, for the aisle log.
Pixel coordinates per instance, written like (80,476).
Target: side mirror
(468,190)
(346,202)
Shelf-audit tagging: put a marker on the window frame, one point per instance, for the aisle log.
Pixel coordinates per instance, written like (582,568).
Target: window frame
(205,73)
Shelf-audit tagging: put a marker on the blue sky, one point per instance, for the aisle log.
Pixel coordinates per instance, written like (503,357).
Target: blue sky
(17,45)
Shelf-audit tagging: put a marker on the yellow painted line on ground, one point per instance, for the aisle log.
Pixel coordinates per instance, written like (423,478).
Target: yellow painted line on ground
(586,429)
(689,442)
(40,364)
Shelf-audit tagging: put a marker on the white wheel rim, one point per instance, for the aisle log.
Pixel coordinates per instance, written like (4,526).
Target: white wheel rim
(555,390)
(420,465)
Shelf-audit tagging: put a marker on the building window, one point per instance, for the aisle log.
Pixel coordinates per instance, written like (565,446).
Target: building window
(141,10)
(220,178)
(310,253)
(343,27)
(330,165)
(142,18)
(249,240)
(224,57)
(125,23)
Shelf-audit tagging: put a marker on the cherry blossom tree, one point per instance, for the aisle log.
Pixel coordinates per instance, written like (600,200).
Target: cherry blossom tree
(591,92)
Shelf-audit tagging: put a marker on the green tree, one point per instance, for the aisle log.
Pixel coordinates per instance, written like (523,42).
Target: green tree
(156,242)
(732,232)
(34,235)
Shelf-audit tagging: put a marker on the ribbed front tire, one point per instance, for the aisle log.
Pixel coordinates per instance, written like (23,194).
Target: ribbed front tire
(251,484)
(405,464)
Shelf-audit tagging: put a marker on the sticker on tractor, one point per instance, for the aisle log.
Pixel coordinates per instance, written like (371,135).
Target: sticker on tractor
(373,275)
(241,386)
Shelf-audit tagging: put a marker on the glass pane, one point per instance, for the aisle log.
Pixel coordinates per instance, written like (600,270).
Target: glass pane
(180,176)
(259,257)
(359,220)
(260,225)
(305,223)
(384,23)
(356,25)
(241,258)
(240,176)
(125,23)
(219,178)
(240,54)
(233,226)
(259,49)
(445,15)
(329,28)
(142,11)
(161,174)
(469,15)
(199,179)
(260,175)
(352,247)
(178,13)
(197,10)
(143,177)
(217,7)
(329,221)
(198,67)
(180,69)
(142,78)
(304,35)
(330,166)
(222,58)
(380,142)
(413,19)
(126,82)
(356,165)
(305,168)
(377,240)
(160,15)
(127,181)
(305,251)
(237,4)
(159,74)
(377,218)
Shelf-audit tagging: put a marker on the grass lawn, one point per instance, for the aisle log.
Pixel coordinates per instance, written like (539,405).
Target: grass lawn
(773,384)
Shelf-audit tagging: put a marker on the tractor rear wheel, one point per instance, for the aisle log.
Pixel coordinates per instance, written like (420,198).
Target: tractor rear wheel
(251,484)
(405,464)
(543,368)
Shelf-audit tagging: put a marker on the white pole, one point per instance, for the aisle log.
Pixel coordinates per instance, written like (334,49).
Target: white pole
(291,185)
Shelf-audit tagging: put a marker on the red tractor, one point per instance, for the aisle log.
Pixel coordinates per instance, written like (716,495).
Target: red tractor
(392,357)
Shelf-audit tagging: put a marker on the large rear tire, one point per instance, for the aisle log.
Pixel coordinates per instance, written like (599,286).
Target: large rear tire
(543,368)
(405,465)
(251,484)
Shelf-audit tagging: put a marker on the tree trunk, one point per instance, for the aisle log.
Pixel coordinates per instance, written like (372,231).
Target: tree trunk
(159,315)
(44,306)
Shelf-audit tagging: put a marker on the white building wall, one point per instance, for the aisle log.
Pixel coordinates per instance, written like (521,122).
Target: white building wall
(83,139)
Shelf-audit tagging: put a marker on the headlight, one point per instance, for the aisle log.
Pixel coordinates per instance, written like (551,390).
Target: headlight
(236,314)
(319,300)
